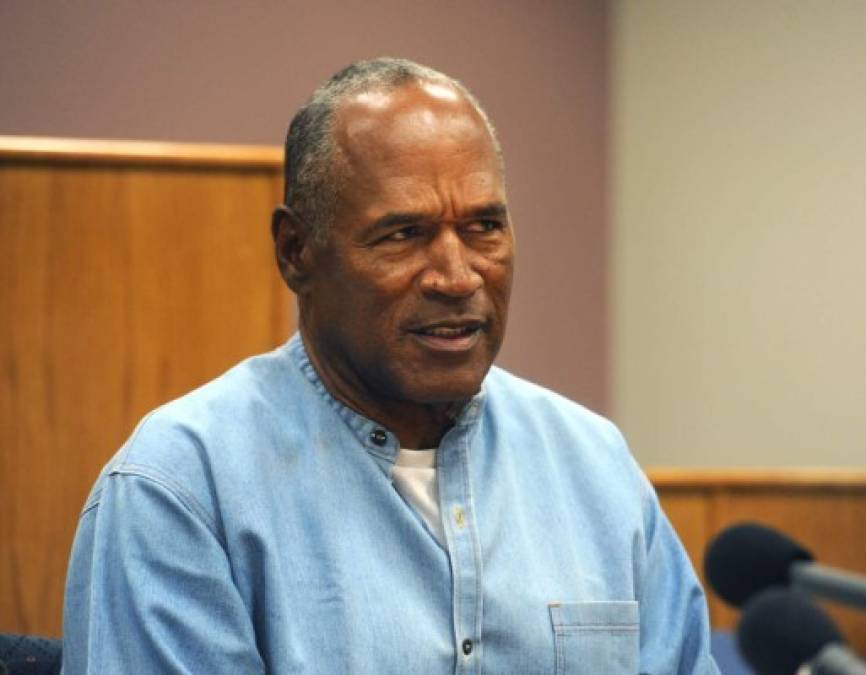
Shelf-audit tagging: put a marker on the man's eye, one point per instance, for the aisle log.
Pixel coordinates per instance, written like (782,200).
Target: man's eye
(483,226)
(404,233)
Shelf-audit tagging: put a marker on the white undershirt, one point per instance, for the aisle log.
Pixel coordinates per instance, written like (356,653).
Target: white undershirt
(414,476)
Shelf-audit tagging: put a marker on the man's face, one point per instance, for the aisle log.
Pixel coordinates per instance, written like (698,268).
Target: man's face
(407,301)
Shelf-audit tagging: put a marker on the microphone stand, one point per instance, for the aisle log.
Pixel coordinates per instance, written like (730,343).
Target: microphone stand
(829,583)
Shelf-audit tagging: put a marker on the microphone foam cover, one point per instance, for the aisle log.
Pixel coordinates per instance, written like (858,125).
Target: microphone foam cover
(747,558)
(781,629)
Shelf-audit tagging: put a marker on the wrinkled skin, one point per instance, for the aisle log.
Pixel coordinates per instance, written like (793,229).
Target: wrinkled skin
(403,307)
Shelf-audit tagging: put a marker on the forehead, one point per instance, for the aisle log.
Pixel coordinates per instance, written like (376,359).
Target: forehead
(420,131)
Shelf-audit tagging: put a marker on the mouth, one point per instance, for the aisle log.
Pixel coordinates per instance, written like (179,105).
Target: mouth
(449,336)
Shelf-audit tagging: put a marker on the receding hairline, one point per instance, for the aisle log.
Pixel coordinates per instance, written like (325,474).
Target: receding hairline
(314,171)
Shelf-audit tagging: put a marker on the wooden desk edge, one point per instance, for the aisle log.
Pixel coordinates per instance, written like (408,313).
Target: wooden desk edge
(800,478)
(92,151)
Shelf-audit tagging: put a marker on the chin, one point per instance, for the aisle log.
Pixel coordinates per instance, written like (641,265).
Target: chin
(444,389)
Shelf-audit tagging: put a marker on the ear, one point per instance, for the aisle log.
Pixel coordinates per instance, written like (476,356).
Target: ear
(292,240)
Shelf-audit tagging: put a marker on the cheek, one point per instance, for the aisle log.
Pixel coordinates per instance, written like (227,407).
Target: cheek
(372,308)
(498,274)
(386,286)
(392,280)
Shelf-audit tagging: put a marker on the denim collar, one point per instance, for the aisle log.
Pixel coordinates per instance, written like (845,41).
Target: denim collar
(365,429)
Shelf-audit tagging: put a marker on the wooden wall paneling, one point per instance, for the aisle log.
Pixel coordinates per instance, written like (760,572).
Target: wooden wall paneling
(124,283)
(687,509)
(197,242)
(56,410)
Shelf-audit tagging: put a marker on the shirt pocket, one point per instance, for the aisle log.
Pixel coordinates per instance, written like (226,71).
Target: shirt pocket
(596,637)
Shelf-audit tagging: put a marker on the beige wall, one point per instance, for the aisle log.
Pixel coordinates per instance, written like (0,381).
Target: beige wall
(739,231)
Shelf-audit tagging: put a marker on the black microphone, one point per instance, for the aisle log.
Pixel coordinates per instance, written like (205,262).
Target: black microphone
(747,558)
(781,630)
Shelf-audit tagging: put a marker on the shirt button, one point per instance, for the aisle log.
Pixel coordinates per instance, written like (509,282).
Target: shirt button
(459,517)
(467,647)
(378,437)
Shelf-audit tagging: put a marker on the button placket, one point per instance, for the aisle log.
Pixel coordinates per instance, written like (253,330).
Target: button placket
(456,501)
(459,517)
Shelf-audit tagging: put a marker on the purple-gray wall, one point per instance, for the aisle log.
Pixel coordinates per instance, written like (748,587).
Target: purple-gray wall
(233,72)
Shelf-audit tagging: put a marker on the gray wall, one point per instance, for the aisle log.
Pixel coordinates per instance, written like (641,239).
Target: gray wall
(739,235)
(233,72)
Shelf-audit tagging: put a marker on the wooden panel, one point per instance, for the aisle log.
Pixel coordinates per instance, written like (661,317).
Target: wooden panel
(822,509)
(122,286)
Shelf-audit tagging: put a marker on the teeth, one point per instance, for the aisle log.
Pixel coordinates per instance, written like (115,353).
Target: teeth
(448,332)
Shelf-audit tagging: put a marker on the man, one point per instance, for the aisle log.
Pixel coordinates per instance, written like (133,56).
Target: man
(372,497)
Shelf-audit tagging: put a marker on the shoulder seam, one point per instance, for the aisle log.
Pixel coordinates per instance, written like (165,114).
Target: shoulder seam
(187,500)
(91,503)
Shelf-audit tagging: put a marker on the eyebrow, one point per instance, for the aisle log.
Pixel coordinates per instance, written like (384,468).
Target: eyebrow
(394,219)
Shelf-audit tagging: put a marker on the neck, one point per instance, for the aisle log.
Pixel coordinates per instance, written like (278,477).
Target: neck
(416,425)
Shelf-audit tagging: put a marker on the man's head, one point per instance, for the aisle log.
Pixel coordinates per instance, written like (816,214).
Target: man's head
(312,169)
(404,275)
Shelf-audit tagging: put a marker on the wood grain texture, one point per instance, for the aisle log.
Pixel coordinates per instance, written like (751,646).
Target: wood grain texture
(122,286)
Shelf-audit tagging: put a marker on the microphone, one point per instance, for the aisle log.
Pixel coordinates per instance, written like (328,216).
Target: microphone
(781,631)
(744,559)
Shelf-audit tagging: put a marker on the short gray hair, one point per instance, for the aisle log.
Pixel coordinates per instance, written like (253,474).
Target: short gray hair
(312,172)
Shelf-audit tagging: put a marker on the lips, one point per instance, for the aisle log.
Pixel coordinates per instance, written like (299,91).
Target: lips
(449,336)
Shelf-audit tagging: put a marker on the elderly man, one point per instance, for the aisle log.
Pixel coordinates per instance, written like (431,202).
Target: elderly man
(373,497)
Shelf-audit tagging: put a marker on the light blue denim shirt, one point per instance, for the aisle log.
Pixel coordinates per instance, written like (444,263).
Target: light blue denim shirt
(252,526)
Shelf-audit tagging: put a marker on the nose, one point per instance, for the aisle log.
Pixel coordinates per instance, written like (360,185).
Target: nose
(449,269)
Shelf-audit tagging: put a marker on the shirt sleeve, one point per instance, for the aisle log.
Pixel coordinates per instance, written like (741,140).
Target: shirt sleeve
(675,631)
(150,590)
